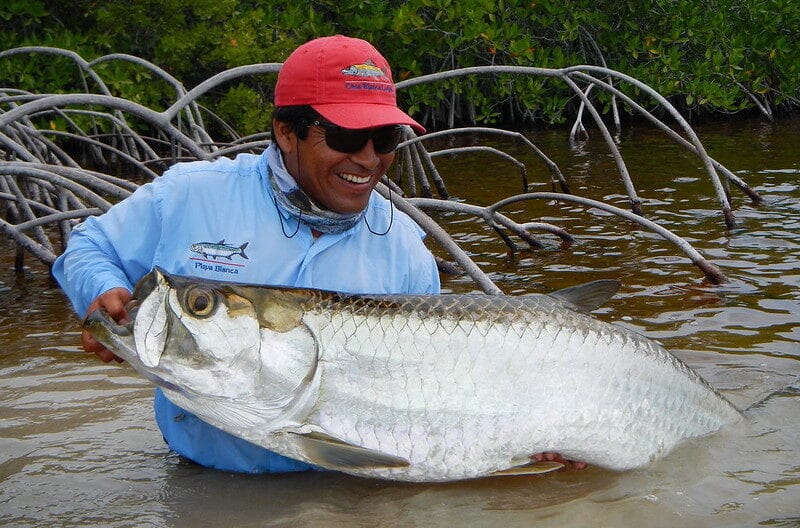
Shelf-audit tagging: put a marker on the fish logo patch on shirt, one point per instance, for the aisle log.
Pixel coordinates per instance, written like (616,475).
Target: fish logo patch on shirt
(218,256)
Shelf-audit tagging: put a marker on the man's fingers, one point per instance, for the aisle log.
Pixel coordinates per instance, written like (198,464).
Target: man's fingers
(113,301)
(555,457)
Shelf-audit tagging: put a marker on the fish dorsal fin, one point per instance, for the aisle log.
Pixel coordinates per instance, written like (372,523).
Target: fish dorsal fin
(533,468)
(589,296)
(331,453)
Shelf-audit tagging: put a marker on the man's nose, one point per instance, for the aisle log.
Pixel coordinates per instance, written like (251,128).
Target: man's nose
(367,157)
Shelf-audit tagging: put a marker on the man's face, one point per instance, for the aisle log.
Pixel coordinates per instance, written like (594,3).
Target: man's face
(335,180)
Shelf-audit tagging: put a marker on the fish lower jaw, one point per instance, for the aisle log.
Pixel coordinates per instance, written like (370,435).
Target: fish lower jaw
(352,178)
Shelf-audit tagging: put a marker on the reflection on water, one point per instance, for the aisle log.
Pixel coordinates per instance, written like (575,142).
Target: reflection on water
(78,445)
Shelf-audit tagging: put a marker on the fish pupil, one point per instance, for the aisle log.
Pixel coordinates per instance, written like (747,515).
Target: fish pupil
(200,303)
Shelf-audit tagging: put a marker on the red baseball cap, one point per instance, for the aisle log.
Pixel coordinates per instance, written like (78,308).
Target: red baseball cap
(346,80)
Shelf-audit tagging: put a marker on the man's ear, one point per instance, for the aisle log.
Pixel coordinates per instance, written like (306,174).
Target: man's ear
(285,136)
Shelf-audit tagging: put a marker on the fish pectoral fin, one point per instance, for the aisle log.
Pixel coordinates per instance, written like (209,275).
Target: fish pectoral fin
(331,453)
(532,468)
(589,296)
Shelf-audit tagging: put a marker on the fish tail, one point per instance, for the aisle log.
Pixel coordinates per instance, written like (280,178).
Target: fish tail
(241,250)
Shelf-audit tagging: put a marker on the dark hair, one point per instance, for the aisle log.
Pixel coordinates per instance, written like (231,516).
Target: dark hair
(298,117)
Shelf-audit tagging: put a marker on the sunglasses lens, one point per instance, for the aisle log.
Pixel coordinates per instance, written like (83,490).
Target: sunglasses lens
(384,139)
(347,141)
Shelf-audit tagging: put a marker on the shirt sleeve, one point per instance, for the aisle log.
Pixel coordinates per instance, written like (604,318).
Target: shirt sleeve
(112,250)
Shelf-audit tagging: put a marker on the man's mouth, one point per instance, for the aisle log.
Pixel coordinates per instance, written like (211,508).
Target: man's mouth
(353,178)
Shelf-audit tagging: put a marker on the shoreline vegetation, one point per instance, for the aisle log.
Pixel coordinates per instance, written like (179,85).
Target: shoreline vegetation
(94,89)
(708,58)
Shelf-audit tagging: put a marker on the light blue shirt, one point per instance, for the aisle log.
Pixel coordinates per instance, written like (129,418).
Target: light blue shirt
(219,220)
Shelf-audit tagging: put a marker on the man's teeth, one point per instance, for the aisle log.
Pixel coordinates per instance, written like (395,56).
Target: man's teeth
(352,178)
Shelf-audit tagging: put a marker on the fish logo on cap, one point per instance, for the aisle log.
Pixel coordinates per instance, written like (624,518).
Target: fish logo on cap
(365,69)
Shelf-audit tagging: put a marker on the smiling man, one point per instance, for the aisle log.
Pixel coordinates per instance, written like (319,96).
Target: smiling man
(303,213)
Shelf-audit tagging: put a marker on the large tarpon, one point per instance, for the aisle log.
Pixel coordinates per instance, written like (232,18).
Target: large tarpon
(414,387)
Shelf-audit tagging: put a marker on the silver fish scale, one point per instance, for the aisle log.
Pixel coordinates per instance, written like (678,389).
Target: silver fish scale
(491,308)
(464,385)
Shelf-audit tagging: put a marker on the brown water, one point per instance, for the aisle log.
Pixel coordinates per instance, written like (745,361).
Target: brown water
(78,444)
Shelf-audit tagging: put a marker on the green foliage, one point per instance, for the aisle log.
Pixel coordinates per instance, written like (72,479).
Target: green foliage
(706,56)
(244,105)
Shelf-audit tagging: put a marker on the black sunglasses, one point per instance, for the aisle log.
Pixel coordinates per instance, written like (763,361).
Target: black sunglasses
(347,140)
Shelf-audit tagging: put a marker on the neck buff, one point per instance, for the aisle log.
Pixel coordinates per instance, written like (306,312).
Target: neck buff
(290,199)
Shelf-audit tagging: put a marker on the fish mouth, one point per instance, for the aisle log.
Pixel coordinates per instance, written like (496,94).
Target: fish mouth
(120,339)
(100,319)
(112,335)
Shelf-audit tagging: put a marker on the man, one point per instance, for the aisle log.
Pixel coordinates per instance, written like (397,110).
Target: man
(300,214)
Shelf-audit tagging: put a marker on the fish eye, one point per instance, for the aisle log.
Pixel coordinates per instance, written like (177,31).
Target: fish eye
(200,302)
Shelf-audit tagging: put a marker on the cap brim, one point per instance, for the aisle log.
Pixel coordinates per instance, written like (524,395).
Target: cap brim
(365,115)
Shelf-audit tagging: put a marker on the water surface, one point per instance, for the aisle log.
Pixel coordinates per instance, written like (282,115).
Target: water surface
(79,446)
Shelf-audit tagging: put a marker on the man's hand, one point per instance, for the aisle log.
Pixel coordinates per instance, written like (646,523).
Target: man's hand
(113,301)
(555,457)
